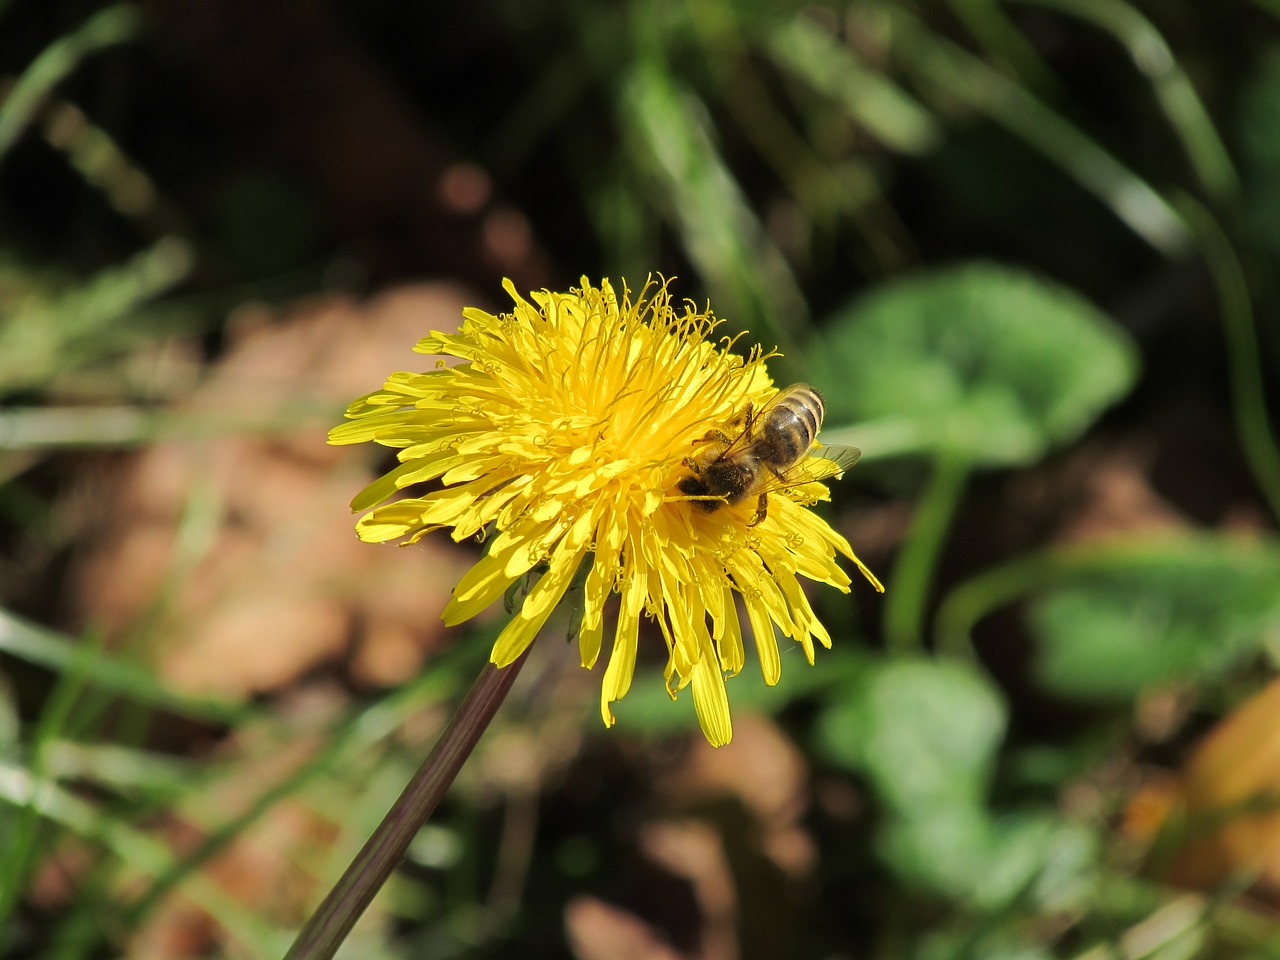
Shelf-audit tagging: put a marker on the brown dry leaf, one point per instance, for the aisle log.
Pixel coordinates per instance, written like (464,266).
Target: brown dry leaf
(598,931)
(693,851)
(1226,801)
(272,581)
(768,775)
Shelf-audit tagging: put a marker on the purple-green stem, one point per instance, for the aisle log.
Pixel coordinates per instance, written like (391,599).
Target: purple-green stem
(324,932)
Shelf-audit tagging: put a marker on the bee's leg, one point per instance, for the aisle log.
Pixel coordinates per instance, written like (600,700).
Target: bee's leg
(762,509)
(748,418)
(693,465)
(715,436)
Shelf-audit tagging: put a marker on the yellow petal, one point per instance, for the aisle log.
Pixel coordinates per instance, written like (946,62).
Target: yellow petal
(711,700)
(622,661)
(538,606)
(766,641)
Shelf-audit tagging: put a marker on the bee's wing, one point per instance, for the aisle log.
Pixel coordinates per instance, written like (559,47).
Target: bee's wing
(822,463)
(831,460)
(736,426)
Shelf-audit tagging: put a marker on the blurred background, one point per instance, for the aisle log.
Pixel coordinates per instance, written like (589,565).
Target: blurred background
(1028,249)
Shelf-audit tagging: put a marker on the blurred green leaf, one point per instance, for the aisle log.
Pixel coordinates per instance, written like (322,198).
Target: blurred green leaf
(1061,857)
(1190,611)
(925,732)
(1001,943)
(989,362)
(1036,856)
(941,850)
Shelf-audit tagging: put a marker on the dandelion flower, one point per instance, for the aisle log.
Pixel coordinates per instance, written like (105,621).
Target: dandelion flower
(563,435)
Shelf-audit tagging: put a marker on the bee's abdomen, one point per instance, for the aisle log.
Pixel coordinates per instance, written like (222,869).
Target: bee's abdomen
(792,423)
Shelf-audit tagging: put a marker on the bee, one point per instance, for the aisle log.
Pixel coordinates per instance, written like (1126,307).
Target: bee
(774,450)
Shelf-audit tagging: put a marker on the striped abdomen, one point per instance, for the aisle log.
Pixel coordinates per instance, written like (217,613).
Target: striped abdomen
(786,429)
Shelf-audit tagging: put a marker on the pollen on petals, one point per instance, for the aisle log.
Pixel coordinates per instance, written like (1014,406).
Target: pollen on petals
(562,436)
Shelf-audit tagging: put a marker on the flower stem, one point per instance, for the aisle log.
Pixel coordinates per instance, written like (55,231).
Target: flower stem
(913,570)
(324,932)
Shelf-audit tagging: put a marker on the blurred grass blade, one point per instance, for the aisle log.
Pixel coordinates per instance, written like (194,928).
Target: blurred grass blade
(1173,88)
(1003,41)
(1244,356)
(720,231)
(106,28)
(829,194)
(45,335)
(871,100)
(918,554)
(59,653)
(118,767)
(957,74)
(1178,929)
(354,737)
(19,854)
(40,428)
(139,853)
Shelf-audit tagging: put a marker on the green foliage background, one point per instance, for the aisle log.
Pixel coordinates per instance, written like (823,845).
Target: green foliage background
(994,233)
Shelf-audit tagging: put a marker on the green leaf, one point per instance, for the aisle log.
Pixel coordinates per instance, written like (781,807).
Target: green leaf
(1189,611)
(941,852)
(925,732)
(996,943)
(983,359)
(1037,856)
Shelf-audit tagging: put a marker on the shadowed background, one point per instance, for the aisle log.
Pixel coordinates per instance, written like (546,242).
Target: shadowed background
(1026,249)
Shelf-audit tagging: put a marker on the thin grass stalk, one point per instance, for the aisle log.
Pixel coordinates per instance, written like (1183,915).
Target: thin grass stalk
(917,561)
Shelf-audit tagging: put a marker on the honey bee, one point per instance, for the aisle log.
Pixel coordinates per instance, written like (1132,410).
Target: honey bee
(775,450)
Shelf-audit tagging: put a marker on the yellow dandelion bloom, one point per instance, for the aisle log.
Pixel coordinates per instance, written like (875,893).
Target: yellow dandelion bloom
(564,434)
